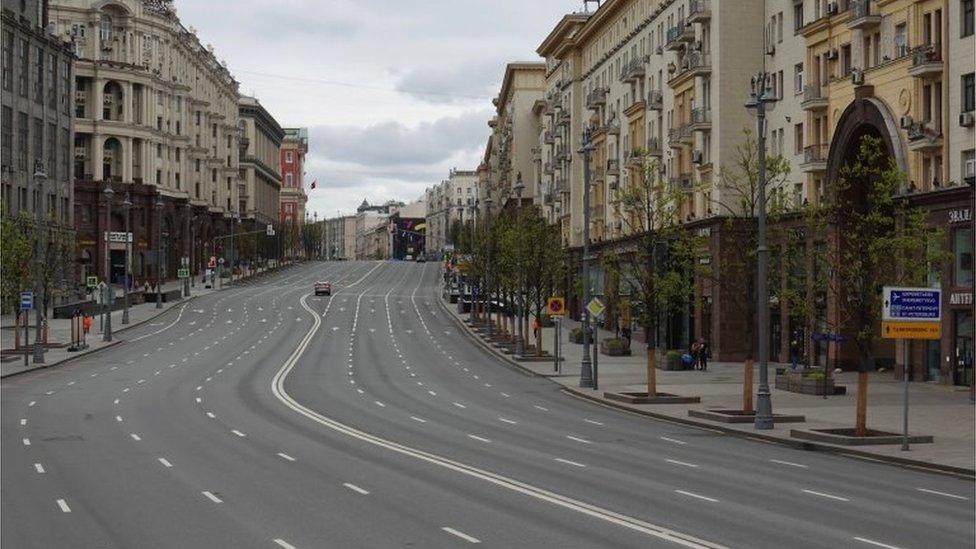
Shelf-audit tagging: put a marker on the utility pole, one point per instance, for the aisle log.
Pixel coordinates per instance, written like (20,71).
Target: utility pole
(110,291)
(40,176)
(764,404)
(519,341)
(159,251)
(126,207)
(586,370)
(488,264)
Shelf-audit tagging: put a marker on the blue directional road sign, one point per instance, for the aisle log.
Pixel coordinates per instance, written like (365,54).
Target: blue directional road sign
(26,301)
(919,304)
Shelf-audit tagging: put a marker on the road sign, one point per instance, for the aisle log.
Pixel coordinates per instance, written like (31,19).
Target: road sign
(556,306)
(911,329)
(26,301)
(595,307)
(212,262)
(91,282)
(269,230)
(183,273)
(920,304)
(116,236)
(185,261)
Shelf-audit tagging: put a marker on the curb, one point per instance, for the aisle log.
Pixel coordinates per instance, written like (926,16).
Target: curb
(948,470)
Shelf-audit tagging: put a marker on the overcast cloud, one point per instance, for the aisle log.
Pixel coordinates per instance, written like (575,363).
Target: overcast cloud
(394,93)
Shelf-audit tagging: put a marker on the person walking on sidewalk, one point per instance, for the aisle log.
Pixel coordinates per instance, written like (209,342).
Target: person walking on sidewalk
(695,352)
(703,352)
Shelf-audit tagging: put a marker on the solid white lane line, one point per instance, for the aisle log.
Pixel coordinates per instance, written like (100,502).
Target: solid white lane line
(64,506)
(460,534)
(285,456)
(544,409)
(593,422)
(876,543)
(418,420)
(699,496)
(676,462)
(504,420)
(936,492)
(578,439)
(135,437)
(356,489)
(39,468)
(674,440)
(568,462)
(212,497)
(283,543)
(476,437)
(823,495)
(789,463)
(26,442)
(459,405)
(165,463)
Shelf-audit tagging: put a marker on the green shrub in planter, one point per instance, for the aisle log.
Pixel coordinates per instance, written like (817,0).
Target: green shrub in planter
(673,361)
(614,346)
(817,375)
(576,335)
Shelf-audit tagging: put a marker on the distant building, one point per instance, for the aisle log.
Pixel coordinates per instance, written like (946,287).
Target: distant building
(292,197)
(407,230)
(454,199)
(336,247)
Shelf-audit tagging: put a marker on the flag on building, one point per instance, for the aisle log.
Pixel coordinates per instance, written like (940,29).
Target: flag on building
(313,185)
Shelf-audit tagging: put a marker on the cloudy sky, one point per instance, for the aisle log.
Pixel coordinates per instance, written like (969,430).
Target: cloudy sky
(394,93)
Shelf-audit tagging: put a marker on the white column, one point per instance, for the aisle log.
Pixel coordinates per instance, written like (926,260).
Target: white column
(98,101)
(127,159)
(127,99)
(98,153)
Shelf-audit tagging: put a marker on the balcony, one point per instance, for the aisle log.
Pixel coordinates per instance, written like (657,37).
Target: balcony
(547,169)
(613,167)
(655,101)
(699,11)
(814,98)
(596,98)
(682,181)
(548,139)
(562,119)
(654,147)
(701,119)
(924,136)
(926,61)
(814,158)
(562,153)
(562,185)
(634,157)
(679,136)
(861,15)
(633,70)
(613,128)
(678,35)
(699,63)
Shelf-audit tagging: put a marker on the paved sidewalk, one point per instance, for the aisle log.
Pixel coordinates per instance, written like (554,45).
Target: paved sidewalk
(59,330)
(945,412)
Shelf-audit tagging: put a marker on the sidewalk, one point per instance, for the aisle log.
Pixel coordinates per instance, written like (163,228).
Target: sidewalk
(944,412)
(59,330)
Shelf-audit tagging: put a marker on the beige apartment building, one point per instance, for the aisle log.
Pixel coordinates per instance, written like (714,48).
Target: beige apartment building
(260,175)
(514,133)
(453,200)
(668,80)
(155,116)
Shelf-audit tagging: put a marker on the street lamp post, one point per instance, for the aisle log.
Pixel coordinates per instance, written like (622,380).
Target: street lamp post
(764,405)
(110,291)
(586,370)
(159,251)
(40,176)
(488,264)
(230,259)
(519,336)
(127,207)
(187,247)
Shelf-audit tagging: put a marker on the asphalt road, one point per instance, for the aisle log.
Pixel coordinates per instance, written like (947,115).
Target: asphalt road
(261,416)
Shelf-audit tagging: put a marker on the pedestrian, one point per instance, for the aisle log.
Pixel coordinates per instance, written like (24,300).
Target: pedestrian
(695,351)
(703,354)
(794,351)
(86,322)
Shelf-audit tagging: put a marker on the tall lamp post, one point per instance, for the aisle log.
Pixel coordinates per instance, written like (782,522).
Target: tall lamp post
(187,247)
(586,369)
(758,98)
(109,290)
(159,251)
(40,176)
(233,221)
(519,341)
(488,264)
(127,208)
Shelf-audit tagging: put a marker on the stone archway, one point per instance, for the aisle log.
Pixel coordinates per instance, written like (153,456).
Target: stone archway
(866,115)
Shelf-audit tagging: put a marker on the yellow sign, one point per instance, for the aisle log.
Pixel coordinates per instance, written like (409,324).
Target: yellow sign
(910,329)
(556,306)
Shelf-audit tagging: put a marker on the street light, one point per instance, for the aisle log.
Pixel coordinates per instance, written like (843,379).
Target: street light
(233,221)
(127,207)
(586,370)
(759,96)
(488,263)
(187,249)
(159,251)
(40,176)
(519,341)
(110,291)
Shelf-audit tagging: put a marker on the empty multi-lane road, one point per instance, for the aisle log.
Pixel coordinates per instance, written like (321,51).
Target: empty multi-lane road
(263,416)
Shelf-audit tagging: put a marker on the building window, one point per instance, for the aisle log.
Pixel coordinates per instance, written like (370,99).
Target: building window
(24,67)
(288,178)
(962,251)
(969,92)
(966,11)
(798,78)
(797,16)
(8,59)
(288,157)
(798,138)
(901,40)
(6,139)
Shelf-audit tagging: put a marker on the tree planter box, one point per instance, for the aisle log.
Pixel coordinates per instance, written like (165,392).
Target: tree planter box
(576,336)
(797,382)
(846,437)
(738,416)
(614,347)
(660,398)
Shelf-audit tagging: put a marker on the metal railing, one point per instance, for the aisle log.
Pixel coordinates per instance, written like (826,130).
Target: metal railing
(815,153)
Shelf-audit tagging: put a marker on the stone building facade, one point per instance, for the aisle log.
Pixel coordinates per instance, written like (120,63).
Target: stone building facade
(155,117)
(260,177)
(37,113)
